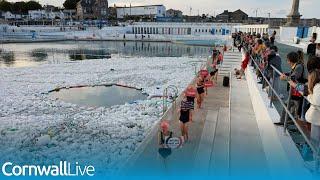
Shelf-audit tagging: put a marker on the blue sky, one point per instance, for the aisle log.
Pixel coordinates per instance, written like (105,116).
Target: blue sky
(277,8)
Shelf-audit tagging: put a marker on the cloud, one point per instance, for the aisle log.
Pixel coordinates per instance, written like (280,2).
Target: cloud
(277,8)
(281,12)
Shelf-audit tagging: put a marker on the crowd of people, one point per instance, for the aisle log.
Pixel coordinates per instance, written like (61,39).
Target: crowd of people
(303,80)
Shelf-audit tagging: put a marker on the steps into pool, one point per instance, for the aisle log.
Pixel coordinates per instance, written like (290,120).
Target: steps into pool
(231,60)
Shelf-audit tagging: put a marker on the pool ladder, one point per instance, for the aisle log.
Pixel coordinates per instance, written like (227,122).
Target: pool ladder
(165,97)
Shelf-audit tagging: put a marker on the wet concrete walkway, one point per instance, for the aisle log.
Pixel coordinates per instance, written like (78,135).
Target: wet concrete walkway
(185,157)
(225,139)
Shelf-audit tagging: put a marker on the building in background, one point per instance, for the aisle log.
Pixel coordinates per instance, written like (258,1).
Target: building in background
(50,8)
(92,9)
(70,14)
(236,16)
(149,11)
(45,15)
(85,9)
(100,9)
(174,13)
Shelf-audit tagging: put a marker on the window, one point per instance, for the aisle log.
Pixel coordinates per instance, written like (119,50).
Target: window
(196,30)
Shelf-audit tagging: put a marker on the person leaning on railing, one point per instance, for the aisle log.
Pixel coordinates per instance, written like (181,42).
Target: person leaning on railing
(274,60)
(313,113)
(313,64)
(296,75)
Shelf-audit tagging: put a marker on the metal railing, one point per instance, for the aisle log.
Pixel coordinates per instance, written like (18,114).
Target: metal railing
(314,148)
(170,89)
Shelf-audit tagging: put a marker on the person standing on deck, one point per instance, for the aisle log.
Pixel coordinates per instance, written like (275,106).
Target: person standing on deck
(313,64)
(191,95)
(318,50)
(200,90)
(311,50)
(273,38)
(275,60)
(301,57)
(185,116)
(296,75)
(164,135)
(313,114)
(240,73)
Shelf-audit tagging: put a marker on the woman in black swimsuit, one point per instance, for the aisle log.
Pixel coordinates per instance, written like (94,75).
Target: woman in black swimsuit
(200,90)
(185,114)
(191,95)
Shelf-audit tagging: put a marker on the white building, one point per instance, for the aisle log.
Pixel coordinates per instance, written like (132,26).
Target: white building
(9,16)
(251,28)
(42,14)
(169,28)
(149,11)
(37,14)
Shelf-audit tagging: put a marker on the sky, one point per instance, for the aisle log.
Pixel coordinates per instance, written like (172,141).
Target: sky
(276,8)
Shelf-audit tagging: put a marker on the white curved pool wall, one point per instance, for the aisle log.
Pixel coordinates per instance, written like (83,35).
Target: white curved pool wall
(258,28)
(153,31)
(146,31)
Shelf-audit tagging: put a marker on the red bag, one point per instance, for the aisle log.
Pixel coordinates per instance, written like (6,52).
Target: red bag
(295,93)
(209,84)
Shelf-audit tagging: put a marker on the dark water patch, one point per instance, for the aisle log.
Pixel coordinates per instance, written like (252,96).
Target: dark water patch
(99,96)
(84,54)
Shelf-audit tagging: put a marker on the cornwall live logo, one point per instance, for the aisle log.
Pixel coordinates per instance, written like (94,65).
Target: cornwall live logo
(64,168)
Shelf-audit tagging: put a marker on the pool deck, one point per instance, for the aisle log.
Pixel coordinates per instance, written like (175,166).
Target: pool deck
(228,139)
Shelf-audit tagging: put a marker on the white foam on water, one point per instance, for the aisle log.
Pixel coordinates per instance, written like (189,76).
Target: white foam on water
(35,127)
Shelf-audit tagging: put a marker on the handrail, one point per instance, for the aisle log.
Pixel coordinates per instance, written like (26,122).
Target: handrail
(276,70)
(165,97)
(288,113)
